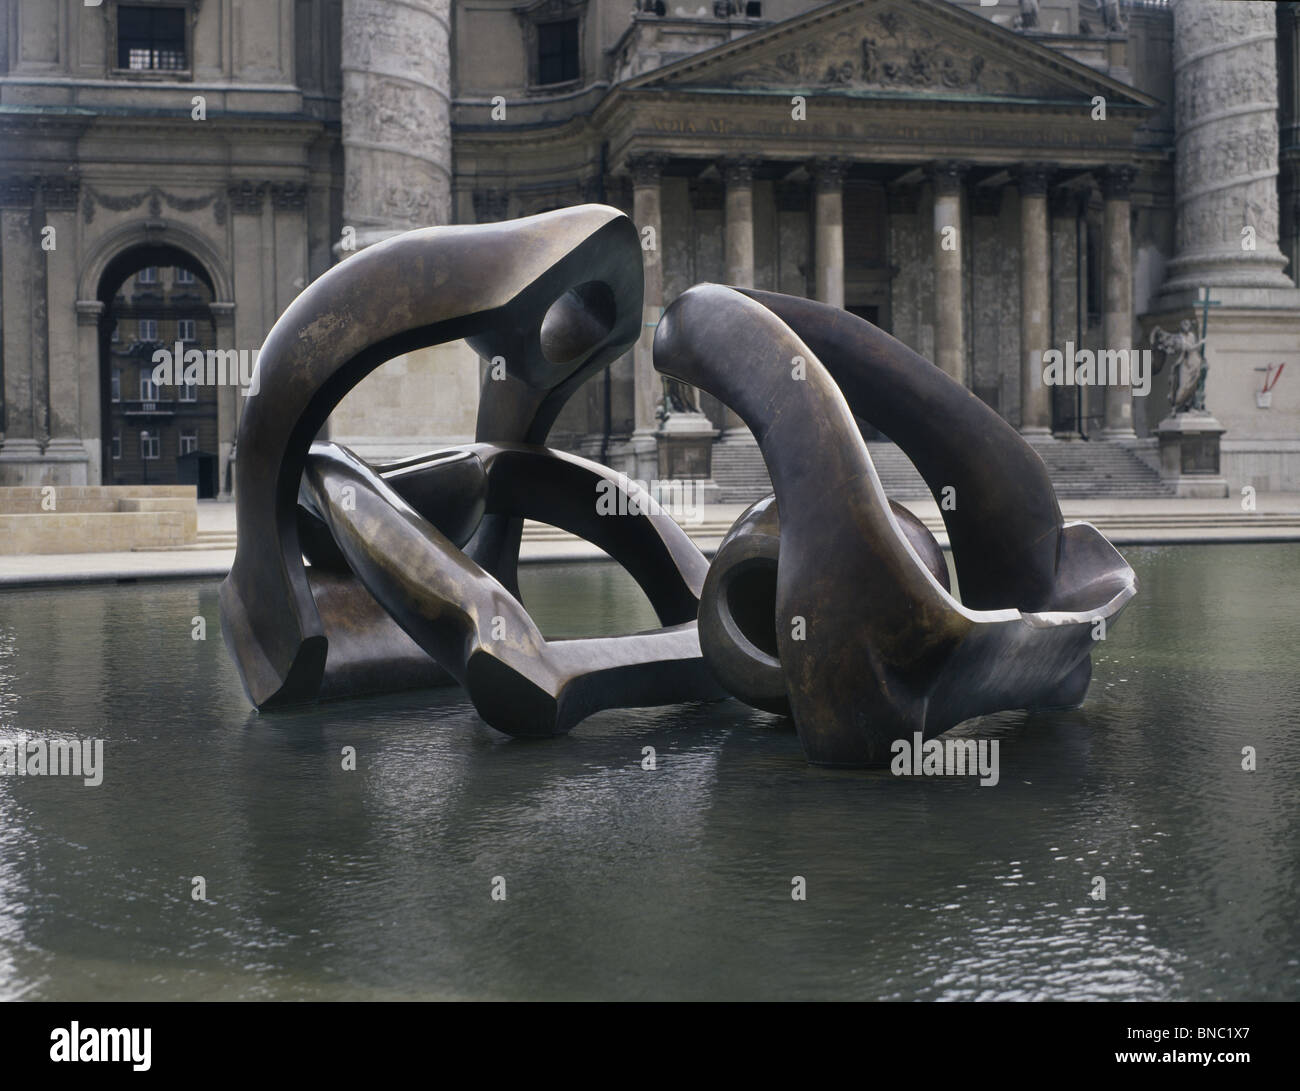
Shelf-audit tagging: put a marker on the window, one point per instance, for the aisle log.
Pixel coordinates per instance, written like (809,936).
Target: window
(117,444)
(557,52)
(754,9)
(117,384)
(185,329)
(148,445)
(147,329)
(148,275)
(184,276)
(189,442)
(151,39)
(148,391)
(188,392)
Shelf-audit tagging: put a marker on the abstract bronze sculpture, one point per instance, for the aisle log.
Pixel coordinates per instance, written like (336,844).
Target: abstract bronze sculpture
(837,611)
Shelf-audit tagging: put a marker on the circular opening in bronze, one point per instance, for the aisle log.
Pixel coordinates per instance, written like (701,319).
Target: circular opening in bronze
(578,321)
(751,600)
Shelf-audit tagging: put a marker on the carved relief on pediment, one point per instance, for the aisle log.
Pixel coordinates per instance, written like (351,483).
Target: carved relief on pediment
(888,52)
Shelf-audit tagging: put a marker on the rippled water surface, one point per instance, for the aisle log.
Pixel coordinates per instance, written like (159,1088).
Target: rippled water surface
(672,883)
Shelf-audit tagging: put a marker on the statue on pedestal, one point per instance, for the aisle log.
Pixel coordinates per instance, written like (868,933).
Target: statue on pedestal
(1187,391)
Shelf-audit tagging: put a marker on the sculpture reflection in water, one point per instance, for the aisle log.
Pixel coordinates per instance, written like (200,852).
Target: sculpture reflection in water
(351,578)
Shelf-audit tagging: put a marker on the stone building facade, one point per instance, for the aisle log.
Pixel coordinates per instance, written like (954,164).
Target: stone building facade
(986,182)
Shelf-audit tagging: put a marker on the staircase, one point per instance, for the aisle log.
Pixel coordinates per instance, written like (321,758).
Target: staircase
(1079,471)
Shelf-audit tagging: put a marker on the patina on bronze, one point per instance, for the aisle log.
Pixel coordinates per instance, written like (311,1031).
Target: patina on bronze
(351,578)
(871,645)
(551,299)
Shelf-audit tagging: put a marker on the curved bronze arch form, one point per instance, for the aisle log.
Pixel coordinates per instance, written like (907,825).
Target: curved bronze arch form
(875,651)
(469,623)
(555,296)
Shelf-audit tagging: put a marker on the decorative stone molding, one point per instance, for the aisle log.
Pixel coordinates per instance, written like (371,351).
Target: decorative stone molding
(288,196)
(646,168)
(223,313)
(1032,179)
(247,197)
(947,177)
(90,312)
(892,50)
(17,191)
(738,171)
(828,173)
(59,191)
(1117,182)
(156,197)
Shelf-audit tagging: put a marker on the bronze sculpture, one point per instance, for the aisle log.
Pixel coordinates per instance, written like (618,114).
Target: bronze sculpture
(839,612)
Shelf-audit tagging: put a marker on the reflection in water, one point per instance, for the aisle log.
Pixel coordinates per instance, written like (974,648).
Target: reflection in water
(623,882)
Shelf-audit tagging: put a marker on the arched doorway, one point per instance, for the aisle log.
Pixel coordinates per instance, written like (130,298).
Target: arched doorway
(156,296)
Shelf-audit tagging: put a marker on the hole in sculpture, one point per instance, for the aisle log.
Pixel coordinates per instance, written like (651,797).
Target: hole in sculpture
(751,600)
(578,321)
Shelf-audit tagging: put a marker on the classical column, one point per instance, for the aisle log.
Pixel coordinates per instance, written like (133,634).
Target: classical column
(1035,301)
(1226,151)
(62,375)
(949,305)
(90,313)
(647,170)
(739,177)
(828,239)
(396,116)
(20,255)
(1117,275)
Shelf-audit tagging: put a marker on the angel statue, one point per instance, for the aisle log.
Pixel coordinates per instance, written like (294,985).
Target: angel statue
(1187,391)
(677,399)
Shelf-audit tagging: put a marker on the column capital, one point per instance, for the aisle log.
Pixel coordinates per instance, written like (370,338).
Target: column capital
(738,170)
(60,191)
(223,313)
(89,312)
(1032,179)
(1117,180)
(947,176)
(17,190)
(828,172)
(646,168)
(288,196)
(246,196)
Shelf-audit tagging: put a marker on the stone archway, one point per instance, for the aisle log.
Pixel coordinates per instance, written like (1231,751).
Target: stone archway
(116,257)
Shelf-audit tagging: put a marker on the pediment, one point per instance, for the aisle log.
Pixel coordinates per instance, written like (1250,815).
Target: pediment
(902,47)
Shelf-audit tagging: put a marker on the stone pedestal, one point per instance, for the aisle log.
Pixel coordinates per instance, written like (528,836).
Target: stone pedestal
(1189,455)
(686,453)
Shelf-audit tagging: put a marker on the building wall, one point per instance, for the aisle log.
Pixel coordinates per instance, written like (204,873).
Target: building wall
(251,186)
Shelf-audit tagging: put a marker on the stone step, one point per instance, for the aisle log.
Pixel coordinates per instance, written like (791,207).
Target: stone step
(1079,470)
